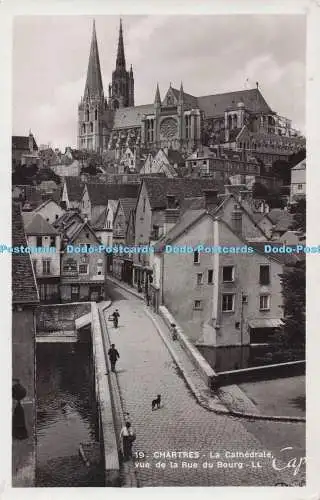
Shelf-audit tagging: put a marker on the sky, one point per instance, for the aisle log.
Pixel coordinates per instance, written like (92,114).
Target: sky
(209,54)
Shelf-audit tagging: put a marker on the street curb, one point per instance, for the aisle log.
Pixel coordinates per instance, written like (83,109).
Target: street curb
(197,394)
(117,405)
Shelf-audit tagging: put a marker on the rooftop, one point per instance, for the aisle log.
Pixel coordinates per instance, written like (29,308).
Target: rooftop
(24,287)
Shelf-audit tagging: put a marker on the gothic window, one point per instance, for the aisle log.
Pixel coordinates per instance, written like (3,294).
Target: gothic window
(188,126)
(229,122)
(169,100)
(87,115)
(168,128)
(91,127)
(150,130)
(84,128)
(96,115)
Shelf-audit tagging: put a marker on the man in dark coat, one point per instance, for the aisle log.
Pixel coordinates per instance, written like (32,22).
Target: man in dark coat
(113,356)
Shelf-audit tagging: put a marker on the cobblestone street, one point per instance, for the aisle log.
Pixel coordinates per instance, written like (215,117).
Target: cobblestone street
(145,369)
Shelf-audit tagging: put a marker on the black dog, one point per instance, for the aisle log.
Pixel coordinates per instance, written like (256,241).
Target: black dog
(156,402)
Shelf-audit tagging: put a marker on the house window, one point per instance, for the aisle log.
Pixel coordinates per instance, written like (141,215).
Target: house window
(46,266)
(39,241)
(52,241)
(228,302)
(99,267)
(199,278)
(299,187)
(228,273)
(197,305)
(83,268)
(264,278)
(196,257)
(264,303)
(155,232)
(210,276)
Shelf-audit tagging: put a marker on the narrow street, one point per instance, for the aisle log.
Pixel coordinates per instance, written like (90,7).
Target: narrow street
(145,369)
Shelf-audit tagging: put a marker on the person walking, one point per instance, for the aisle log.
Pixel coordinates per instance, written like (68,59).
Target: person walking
(113,356)
(128,437)
(174,331)
(116,316)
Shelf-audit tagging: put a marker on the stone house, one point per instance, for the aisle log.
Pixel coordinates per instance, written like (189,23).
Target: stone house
(95,197)
(82,274)
(298,182)
(46,264)
(157,210)
(122,264)
(49,210)
(220,299)
(72,193)
(25,299)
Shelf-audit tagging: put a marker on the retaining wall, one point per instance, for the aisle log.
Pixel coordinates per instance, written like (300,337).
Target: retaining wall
(205,370)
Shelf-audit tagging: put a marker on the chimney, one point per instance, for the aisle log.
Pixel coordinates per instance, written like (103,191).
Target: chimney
(30,142)
(171,214)
(211,198)
(236,220)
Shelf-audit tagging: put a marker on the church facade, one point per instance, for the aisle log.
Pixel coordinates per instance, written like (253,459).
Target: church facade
(179,121)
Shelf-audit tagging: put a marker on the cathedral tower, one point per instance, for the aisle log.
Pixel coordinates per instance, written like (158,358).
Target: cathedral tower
(93,107)
(121,91)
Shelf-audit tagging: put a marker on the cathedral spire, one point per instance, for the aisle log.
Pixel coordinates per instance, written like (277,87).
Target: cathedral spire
(181,93)
(157,99)
(121,61)
(94,86)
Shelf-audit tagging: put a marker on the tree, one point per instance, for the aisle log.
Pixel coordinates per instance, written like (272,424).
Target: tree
(299,211)
(281,170)
(259,190)
(293,282)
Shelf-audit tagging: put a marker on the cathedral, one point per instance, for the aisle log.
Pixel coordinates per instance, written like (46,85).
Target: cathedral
(180,121)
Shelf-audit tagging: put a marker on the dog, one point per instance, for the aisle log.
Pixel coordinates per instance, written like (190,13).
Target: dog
(156,402)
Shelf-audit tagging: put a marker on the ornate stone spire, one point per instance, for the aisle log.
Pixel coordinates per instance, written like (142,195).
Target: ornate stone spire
(181,93)
(121,60)
(157,99)
(94,86)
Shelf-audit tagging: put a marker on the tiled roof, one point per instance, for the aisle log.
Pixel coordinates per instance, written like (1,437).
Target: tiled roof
(257,216)
(185,220)
(66,218)
(100,193)
(131,117)
(160,187)
(284,222)
(282,258)
(300,166)
(24,287)
(128,204)
(196,203)
(74,187)
(39,226)
(190,101)
(275,215)
(100,221)
(215,105)
(22,142)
